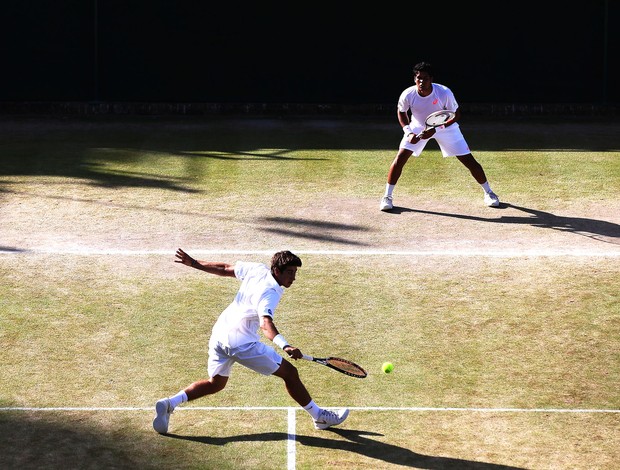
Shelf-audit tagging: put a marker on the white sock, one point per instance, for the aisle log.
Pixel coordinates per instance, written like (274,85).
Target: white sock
(177,399)
(313,409)
(486,187)
(389,188)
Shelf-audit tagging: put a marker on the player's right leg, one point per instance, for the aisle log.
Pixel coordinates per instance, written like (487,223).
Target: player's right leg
(396,169)
(165,407)
(218,366)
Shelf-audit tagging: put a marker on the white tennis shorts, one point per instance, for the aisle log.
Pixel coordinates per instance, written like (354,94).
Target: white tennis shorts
(450,140)
(256,356)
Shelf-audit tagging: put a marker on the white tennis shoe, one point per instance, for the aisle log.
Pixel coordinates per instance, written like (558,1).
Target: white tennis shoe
(386,203)
(329,418)
(491,199)
(163,409)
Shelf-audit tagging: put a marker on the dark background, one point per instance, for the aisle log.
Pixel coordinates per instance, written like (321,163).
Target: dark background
(307,52)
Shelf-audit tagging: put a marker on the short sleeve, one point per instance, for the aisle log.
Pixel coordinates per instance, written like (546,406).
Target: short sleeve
(404,101)
(451,103)
(268,303)
(241,270)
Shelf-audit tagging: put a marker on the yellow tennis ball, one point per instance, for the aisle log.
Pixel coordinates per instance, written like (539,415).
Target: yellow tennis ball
(387,367)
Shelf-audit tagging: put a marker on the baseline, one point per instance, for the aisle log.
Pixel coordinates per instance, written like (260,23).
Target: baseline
(292,409)
(497,253)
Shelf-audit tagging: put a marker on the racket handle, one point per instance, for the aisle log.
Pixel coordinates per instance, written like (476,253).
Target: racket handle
(307,358)
(419,136)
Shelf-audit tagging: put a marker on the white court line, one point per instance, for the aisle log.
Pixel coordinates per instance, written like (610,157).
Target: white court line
(290,442)
(292,410)
(465,252)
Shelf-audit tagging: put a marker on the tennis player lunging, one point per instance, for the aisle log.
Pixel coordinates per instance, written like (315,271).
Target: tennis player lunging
(234,337)
(414,105)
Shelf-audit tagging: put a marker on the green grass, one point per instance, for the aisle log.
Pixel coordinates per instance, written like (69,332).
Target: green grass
(122,330)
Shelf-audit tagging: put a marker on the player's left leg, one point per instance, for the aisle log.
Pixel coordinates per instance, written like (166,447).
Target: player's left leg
(294,386)
(474,167)
(452,143)
(323,418)
(476,170)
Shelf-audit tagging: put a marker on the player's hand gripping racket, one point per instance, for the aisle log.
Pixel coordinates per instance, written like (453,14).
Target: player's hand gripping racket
(341,365)
(436,119)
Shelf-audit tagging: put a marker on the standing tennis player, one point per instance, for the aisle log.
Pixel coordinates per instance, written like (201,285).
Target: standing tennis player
(234,337)
(414,105)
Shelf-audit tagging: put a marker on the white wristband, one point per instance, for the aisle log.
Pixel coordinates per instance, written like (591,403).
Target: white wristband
(280,341)
(407,129)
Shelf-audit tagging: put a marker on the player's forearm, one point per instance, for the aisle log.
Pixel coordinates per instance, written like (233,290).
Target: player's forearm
(403,119)
(268,328)
(211,267)
(457,116)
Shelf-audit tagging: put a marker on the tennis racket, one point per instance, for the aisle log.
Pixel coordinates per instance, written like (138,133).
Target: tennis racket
(341,365)
(436,119)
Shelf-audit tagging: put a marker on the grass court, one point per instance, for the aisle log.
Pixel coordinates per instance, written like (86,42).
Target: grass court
(503,324)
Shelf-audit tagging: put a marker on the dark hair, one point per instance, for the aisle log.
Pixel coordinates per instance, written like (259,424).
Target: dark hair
(283,259)
(423,67)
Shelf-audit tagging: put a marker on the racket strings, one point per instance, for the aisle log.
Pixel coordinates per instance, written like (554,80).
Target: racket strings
(347,366)
(437,120)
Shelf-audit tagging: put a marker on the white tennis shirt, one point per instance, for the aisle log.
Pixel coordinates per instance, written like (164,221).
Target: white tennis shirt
(258,296)
(421,106)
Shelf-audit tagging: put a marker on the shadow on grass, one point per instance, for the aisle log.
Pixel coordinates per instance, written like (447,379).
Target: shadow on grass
(81,148)
(11,249)
(76,166)
(358,442)
(91,149)
(40,441)
(591,228)
(319,230)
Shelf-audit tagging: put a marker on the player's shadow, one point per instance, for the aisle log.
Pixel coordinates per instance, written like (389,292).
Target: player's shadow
(591,228)
(356,442)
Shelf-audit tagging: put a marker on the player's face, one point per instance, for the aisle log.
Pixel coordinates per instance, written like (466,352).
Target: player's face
(287,276)
(424,83)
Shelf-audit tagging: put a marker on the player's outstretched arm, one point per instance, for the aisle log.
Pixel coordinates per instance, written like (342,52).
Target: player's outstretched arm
(217,268)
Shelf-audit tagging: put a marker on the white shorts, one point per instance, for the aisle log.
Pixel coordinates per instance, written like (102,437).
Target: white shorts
(256,356)
(450,140)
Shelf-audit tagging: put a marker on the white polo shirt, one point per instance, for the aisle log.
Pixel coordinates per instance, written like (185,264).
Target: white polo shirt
(258,296)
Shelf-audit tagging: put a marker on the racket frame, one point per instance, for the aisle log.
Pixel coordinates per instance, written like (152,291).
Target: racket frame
(430,124)
(325,361)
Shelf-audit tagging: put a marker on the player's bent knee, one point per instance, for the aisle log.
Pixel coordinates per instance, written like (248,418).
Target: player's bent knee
(287,371)
(218,382)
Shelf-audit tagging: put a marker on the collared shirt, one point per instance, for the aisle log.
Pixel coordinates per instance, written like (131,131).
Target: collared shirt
(258,296)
